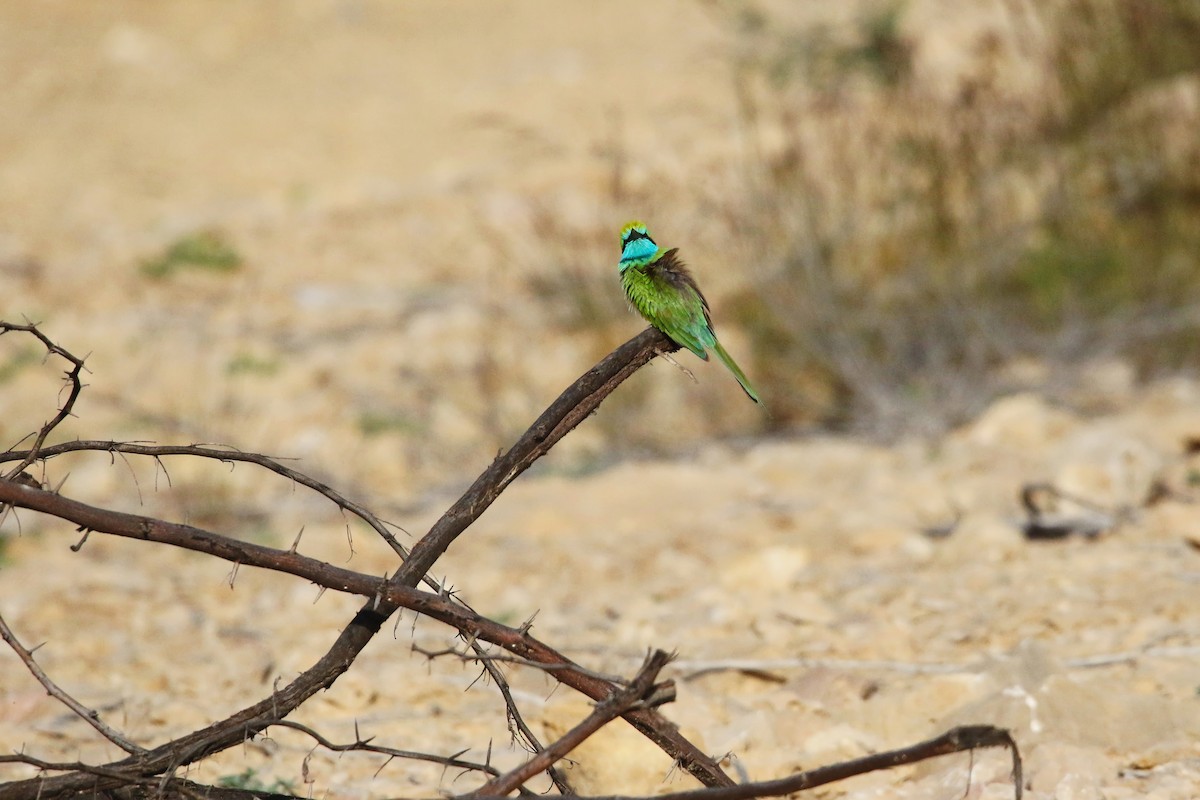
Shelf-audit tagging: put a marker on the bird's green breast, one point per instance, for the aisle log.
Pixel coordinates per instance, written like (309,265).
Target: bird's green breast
(644,292)
(677,311)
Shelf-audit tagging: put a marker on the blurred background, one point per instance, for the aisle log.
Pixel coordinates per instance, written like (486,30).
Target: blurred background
(381,237)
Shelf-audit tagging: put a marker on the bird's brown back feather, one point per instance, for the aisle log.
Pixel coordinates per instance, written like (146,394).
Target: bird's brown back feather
(670,267)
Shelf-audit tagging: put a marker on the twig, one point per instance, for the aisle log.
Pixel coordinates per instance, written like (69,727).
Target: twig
(956,740)
(696,668)
(127,786)
(217,453)
(641,691)
(364,745)
(486,657)
(88,715)
(1109,659)
(116,776)
(65,409)
(670,359)
(516,721)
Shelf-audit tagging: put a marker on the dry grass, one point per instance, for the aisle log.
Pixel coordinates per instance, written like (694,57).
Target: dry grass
(924,223)
(930,203)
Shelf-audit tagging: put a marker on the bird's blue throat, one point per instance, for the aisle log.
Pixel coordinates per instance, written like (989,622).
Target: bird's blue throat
(638,250)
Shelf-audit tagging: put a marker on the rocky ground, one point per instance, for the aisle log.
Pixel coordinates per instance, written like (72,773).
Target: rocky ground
(386,173)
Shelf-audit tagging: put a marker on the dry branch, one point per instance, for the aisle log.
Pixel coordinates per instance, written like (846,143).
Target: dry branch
(378,592)
(364,746)
(90,716)
(64,410)
(222,454)
(152,772)
(641,691)
(571,408)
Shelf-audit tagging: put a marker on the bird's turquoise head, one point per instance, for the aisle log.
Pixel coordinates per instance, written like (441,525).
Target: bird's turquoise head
(637,248)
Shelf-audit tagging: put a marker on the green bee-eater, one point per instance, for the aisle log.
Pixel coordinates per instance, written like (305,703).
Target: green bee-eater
(660,287)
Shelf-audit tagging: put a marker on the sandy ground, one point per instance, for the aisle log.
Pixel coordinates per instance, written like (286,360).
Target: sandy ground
(386,170)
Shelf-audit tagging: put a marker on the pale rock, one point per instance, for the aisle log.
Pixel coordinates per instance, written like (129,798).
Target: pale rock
(1107,465)
(1067,772)
(1020,421)
(770,569)
(616,759)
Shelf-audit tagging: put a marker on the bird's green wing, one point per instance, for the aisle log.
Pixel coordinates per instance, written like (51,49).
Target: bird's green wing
(683,312)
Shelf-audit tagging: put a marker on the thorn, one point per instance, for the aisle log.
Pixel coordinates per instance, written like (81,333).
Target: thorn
(377,600)
(528,624)
(75,548)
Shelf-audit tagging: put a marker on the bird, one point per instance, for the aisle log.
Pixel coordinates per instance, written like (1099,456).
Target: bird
(661,288)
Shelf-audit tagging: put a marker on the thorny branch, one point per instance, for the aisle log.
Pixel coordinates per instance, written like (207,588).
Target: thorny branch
(574,405)
(364,745)
(378,592)
(64,410)
(224,454)
(642,691)
(518,728)
(151,772)
(229,455)
(956,740)
(88,715)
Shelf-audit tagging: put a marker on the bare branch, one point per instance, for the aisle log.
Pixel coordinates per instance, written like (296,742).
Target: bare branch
(127,786)
(151,772)
(64,410)
(965,738)
(641,691)
(88,715)
(115,775)
(365,746)
(957,740)
(227,455)
(517,726)
(485,657)
(574,405)
(381,594)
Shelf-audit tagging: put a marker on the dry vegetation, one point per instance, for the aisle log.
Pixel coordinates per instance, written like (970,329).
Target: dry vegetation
(918,220)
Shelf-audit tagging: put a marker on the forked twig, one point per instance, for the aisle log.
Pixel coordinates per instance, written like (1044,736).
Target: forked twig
(486,657)
(641,691)
(518,728)
(364,746)
(227,455)
(64,410)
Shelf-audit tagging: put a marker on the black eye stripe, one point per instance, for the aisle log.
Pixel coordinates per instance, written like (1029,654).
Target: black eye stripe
(634,235)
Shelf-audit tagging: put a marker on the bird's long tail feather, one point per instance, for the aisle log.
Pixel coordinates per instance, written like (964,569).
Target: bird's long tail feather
(732,366)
